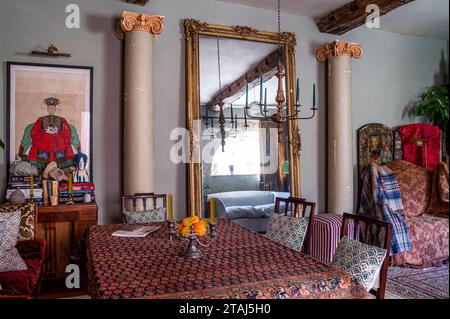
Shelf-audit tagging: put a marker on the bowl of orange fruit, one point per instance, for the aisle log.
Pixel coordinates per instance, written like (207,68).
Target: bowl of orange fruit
(193,225)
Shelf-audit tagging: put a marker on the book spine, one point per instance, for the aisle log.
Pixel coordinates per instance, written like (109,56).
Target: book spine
(77,187)
(37,191)
(75,192)
(23,185)
(76,199)
(24,179)
(45,192)
(54,196)
(27,195)
(74,195)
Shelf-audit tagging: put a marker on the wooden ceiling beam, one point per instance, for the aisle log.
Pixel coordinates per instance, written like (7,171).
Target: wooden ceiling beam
(138,2)
(266,68)
(353,15)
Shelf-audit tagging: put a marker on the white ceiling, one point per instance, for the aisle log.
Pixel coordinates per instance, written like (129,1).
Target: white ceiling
(309,8)
(424,18)
(236,58)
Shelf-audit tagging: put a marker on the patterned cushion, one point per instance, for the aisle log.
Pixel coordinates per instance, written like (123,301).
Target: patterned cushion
(148,216)
(415,186)
(362,261)
(286,230)
(429,242)
(10,259)
(27,221)
(439,192)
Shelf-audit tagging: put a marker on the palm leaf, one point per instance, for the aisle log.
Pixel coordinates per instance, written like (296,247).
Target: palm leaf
(434,106)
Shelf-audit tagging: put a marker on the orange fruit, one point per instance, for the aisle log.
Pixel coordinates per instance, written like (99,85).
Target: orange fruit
(200,229)
(189,221)
(185,231)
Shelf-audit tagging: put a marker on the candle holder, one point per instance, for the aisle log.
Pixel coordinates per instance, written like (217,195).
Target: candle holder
(297,112)
(70,200)
(192,250)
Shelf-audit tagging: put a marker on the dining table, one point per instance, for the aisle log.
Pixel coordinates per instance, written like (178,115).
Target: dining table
(237,264)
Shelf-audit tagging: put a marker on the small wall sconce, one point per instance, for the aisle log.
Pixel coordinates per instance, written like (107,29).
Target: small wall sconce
(139,2)
(51,51)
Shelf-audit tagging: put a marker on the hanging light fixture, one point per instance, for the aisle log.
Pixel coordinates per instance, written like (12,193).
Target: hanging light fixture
(281,115)
(221,118)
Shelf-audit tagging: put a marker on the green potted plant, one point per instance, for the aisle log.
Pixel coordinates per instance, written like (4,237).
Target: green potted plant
(434,106)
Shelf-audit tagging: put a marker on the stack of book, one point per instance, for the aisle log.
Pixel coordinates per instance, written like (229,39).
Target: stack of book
(79,190)
(50,192)
(23,183)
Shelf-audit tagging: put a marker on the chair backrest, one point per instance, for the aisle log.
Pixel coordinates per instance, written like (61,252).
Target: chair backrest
(372,231)
(298,208)
(143,201)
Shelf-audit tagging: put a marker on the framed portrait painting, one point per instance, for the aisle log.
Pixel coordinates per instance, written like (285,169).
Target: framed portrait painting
(49,114)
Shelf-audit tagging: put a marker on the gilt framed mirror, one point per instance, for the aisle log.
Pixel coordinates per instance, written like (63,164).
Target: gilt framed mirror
(234,75)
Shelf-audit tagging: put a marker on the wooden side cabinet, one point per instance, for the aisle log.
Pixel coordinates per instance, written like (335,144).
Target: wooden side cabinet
(65,227)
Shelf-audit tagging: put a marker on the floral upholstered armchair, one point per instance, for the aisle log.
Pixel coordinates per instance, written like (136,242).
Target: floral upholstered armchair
(425,201)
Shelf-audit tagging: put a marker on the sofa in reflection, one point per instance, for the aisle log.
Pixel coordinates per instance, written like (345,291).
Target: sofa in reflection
(250,209)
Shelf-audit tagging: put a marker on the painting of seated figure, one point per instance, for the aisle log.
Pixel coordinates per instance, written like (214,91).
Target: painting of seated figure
(49,115)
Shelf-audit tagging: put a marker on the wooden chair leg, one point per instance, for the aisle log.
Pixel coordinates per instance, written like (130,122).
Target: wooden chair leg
(381,291)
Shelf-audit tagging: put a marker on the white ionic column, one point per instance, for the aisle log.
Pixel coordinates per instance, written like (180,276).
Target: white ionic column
(340,129)
(139,32)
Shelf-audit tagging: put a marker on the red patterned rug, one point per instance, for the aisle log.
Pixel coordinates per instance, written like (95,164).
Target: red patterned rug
(410,283)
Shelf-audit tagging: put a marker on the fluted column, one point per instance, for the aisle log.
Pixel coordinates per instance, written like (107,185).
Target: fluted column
(139,32)
(340,129)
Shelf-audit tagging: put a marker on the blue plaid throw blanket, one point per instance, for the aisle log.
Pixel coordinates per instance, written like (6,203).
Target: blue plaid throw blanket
(380,196)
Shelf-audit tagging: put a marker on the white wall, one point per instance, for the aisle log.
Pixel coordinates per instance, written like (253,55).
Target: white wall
(392,72)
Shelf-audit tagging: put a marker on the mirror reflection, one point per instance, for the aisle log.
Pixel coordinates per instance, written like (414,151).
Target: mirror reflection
(245,162)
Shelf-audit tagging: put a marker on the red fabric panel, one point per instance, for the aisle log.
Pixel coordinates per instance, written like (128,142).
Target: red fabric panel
(421,144)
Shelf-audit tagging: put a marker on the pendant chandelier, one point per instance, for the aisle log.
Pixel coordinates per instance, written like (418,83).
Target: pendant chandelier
(281,115)
(222,119)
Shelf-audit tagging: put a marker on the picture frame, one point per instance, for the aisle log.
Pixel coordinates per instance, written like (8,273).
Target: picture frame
(49,114)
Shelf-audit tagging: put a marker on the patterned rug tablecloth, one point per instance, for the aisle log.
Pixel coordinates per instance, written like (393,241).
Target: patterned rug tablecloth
(239,264)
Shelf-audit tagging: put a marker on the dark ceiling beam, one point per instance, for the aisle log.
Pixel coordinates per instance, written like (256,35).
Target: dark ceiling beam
(353,15)
(266,68)
(138,2)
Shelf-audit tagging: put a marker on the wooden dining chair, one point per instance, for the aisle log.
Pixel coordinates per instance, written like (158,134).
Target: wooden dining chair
(144,202)
(298,208)
(371,231)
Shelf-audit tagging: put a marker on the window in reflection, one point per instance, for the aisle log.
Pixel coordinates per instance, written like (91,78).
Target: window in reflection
(242,155)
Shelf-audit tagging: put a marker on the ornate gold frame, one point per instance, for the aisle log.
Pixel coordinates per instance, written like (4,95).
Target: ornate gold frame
(193,30)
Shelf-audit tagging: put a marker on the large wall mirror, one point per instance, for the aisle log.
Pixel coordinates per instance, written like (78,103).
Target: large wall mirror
(234,76)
